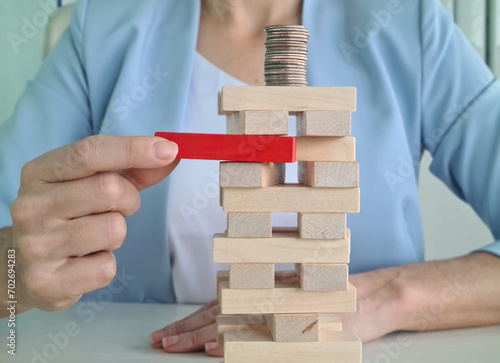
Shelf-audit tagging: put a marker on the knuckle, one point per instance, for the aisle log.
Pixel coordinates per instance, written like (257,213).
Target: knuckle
(212,313)
(35,286)
(31,250)
(86,151)
(53,303)
(136,204)
(20,210)
(31,205)
(106,270)
(112,186)
(194,338)
(180,327)
(83,150)
(133,149)
(42,287)
(116,230)
(27,171)
(56,305)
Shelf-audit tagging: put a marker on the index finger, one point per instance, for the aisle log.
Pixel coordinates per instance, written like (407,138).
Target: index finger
(101,153)
(197,320)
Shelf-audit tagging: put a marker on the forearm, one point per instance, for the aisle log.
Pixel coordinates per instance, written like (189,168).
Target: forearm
(455,293)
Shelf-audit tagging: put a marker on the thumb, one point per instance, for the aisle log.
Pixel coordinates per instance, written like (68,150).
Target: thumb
(144,178)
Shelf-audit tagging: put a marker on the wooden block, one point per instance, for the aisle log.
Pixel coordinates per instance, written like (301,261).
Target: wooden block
(301,327)
(223,275)
(219,103)
(285,298)
(256,148)
(323,277)
(251,276)
(282,277)
(286,198)
(322,225)
(328,174)
(241,319)
(291,99)
(284,247)
(257,123)
(324,123)
(293,327)
(247,225)
(328,323)
(242,325)
(337,346)
(246,325)
(251,175)
(314,148)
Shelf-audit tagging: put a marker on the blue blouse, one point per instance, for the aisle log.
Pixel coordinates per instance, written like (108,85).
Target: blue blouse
(124,68)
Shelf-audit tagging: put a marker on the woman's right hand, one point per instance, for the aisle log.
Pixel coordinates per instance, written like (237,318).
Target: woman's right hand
(69,214)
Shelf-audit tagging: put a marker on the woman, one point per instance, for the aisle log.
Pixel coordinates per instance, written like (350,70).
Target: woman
(132,68)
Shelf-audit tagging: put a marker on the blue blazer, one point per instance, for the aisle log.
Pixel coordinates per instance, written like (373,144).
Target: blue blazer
(124,68)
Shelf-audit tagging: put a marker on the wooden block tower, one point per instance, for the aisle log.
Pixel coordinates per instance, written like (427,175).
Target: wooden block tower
(288,316)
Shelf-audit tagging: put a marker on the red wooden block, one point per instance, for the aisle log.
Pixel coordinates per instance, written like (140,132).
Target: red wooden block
(256,148)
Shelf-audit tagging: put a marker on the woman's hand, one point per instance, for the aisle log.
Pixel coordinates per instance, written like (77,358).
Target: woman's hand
(196,332)
(379,305)
(199,331)
(431,295)
(69,215)
(374,318)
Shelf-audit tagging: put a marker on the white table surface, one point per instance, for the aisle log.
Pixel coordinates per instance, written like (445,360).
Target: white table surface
(119,333)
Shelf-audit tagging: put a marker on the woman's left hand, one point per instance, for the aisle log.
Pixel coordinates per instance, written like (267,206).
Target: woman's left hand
(196,332)
(376,315)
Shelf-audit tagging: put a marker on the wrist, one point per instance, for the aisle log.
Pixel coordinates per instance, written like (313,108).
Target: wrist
(407,299)
(10,287)
(395,303)
(380,298)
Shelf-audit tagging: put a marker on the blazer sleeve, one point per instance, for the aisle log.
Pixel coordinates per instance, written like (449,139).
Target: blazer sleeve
(53,111)
(461,116)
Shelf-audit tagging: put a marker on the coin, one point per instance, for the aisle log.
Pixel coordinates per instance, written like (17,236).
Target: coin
(286,55)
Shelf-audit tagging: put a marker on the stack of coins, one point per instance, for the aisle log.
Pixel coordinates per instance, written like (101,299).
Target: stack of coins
(286,55)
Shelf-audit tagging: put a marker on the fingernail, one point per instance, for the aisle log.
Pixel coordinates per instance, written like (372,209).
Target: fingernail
(164,149)
(211,346)
(170,341)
